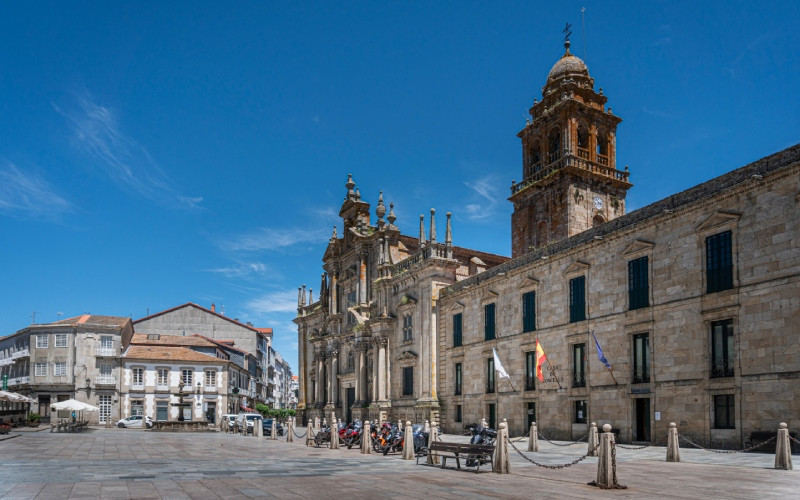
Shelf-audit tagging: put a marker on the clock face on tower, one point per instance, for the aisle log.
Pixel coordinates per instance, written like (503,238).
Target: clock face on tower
(598,203)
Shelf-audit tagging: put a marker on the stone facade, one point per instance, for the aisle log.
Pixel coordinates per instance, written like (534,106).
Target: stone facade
(368,344)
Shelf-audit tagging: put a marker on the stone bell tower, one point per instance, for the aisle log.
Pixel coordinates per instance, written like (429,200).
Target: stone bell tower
(570,182)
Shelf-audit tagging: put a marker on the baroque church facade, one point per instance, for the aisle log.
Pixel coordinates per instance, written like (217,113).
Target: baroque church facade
(693,299)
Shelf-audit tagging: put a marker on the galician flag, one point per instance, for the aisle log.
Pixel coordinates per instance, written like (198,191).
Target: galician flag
(498,366)
(540,359)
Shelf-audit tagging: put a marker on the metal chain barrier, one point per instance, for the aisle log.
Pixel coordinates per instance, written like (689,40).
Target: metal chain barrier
(298,436)
(614,467)
(648,445)
(567,444)
(793,439)
(727,451)
(561,466)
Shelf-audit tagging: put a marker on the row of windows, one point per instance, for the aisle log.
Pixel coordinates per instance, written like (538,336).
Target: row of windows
(719,276)
(59,369)
(60,340)
(162,377)
(723,412)
(721,360)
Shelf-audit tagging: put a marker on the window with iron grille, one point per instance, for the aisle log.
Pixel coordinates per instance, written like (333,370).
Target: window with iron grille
(61,339)
(407,327)
(530,371)
(408,381)
(722,348)
(641,358)
(490,375)
(488,321)
(458,379)
(529,312)
(41,341)
(638,286)
(579,365)
(723,412)
(719,262)
(457,322)
(577,299)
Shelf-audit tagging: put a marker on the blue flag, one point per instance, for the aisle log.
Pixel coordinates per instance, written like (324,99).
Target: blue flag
(600,355)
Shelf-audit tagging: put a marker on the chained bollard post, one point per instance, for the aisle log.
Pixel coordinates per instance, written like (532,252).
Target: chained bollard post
(592,440)
(366,438)
(501,463)
(309,434)
(427,427)
(433,458)
(334,435)
(533,438)
(258,428)
(673,448)
(274,430)
(316,422)
(408,443)
(290,427)
(605,474)
(783,449)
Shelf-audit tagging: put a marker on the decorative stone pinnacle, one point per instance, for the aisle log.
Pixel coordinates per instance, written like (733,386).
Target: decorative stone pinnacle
(350,185)
(391,217)
(566,46)
(433,226)
(422,230)
(358,194)
(334,235)
(448,234)
(380,210)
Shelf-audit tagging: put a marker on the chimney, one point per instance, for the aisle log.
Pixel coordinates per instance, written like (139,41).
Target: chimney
(213,308)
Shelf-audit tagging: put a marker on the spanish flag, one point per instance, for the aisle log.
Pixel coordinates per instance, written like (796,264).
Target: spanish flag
(540,359)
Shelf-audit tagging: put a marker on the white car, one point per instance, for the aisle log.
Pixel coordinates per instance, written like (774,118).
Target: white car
(135,421)
(249,418)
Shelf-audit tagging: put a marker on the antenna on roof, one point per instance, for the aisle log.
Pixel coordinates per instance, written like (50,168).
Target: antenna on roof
(33,317)
(583,25)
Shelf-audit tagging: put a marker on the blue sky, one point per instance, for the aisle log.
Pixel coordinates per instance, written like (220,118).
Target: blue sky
(157,153)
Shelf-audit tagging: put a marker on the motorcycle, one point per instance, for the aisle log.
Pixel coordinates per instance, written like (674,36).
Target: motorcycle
(393,440)
(351,434)
(322,436)
(420,439)
(481,435)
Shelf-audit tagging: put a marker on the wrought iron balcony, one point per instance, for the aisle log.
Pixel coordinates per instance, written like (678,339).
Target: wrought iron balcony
(578,380)
(724,369)
(490,387)
(530,383)
(641,375)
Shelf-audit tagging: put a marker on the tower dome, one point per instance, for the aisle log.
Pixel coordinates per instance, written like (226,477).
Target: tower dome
(568,66)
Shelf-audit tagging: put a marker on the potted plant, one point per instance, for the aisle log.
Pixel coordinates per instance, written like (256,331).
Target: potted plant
(33,419)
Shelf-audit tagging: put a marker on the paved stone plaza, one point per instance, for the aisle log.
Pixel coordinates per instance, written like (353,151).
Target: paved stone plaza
(128,463)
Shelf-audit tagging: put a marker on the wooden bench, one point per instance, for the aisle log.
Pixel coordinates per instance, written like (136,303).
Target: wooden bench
(478,453)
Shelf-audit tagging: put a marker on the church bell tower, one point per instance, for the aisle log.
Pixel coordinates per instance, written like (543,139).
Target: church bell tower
(570,180)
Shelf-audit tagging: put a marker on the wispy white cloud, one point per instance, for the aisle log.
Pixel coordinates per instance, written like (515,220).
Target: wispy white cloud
(241,270)
(267,238)
(123,159)
(28,194)
(283,301)
(485,198)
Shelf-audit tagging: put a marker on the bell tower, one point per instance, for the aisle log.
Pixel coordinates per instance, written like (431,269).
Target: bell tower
(570,180)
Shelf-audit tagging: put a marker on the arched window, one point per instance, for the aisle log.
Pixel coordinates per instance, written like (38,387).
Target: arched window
(597,220)
(602,148)
(583,141)
(534,158)
(554,144)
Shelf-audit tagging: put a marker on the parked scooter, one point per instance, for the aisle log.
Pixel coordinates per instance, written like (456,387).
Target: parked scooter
(481,435)
(420,439)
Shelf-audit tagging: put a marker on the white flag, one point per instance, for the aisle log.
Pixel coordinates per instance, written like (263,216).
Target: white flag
(501,372)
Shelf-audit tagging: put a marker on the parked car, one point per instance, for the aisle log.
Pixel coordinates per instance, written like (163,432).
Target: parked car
(267,426)
(230,418)
(135,421)
(249,418)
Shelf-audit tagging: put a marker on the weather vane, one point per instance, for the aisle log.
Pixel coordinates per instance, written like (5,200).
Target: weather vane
(567,32)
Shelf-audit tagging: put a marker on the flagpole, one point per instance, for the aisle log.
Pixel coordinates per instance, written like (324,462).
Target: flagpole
(494,351)
(612,376)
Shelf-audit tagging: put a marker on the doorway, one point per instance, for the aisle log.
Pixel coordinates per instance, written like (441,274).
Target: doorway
(162,413)
(211,412)
(44,407)
(531,413)
(642,423)
(350,397)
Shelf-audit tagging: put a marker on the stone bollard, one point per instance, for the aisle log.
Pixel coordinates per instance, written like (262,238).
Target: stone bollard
(334,435)
(502,462)
(258,428)
(673,450)
(309,434)
(783,449)
(316,422)
(274,430)
(433,458)
(533,438)
(605,472)
(290,431)
(592,440)
(366,438)
(408,443)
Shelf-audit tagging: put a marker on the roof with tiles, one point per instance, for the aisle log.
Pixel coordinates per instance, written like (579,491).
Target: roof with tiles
(93,319)
(168,353)
(225,344)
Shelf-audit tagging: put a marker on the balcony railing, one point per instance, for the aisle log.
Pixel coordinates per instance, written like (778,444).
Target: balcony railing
(458,390)
(19,380)
(578,380)
(6,361)
(22,353)
(105,380)
(490,386)
(105,351)
(530,383)
(641,376)
(137,386)
(724,369)
(599,167)
(162,388)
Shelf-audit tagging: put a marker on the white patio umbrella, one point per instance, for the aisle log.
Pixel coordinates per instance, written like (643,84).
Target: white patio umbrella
(73,405)
(14,397)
